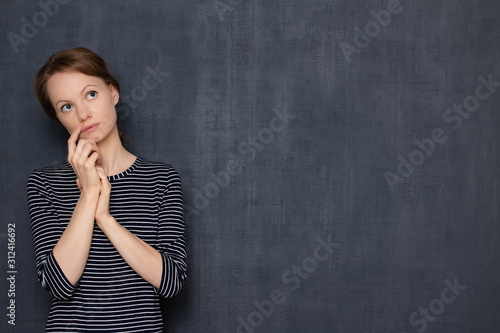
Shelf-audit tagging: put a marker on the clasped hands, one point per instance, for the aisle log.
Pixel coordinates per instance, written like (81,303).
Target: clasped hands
(92,181)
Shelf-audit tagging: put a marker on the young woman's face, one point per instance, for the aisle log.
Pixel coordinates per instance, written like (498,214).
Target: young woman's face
(85,100)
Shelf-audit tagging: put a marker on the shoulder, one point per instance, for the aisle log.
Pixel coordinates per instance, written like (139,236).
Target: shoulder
(157,169)
(57,172)
(162,176)
(46,180)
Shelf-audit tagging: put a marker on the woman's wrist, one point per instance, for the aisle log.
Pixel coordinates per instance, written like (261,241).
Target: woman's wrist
(106,222)
(89,196)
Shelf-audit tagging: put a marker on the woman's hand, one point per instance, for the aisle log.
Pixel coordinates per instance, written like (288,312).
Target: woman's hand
(102,209)
(82,158)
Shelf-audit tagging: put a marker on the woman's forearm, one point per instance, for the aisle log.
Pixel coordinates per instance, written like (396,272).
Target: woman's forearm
(141,257)
(72,249)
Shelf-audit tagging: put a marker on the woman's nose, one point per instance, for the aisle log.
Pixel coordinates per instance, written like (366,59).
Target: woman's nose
(83,112)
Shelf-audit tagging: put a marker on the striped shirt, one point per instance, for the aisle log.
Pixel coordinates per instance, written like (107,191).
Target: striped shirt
(110,296)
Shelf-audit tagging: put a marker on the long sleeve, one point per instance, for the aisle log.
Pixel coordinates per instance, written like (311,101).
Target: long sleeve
(46,231)
(170,239)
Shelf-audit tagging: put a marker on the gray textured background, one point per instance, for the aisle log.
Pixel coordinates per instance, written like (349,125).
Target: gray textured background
(227,67)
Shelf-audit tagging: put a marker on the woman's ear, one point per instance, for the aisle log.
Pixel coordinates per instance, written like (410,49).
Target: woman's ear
(114,94)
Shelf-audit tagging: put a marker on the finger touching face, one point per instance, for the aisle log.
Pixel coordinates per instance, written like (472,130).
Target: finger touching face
(76,133)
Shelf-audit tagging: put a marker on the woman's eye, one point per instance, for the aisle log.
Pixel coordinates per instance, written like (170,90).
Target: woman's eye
(65,107)
(91,94)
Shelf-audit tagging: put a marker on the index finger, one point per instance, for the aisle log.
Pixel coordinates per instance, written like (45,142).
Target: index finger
(72,141)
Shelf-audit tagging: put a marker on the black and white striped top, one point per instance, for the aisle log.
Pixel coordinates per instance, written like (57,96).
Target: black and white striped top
(110,296)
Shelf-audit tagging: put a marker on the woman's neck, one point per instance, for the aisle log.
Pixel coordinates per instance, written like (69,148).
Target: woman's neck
(113,157)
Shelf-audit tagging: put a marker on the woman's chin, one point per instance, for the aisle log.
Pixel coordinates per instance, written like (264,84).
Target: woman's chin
(96,135)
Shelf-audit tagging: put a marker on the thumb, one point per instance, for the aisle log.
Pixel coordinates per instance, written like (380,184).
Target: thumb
(102,175)
(78,184)
(100,171)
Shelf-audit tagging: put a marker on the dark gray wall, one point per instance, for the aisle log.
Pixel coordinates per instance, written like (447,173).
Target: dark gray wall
(406,219)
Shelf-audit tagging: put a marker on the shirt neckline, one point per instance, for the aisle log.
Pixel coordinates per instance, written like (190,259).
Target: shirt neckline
(122,174)
(126,172)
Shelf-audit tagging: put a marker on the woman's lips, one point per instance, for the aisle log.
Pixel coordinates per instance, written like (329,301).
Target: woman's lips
(91,128)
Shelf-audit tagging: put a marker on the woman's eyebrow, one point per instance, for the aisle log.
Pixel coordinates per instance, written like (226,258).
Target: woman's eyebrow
(88,85)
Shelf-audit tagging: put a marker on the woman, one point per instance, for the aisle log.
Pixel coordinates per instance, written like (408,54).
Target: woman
(108,226)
